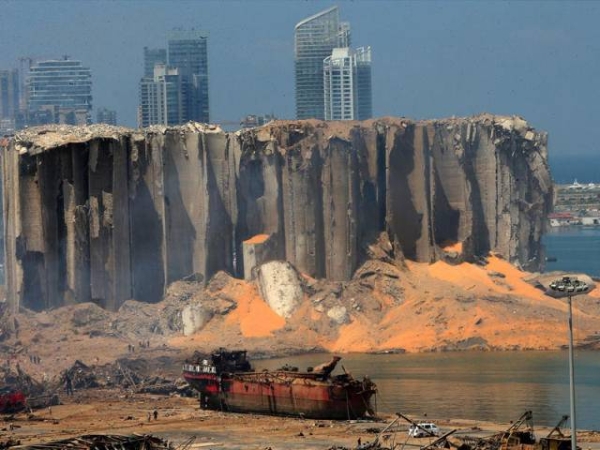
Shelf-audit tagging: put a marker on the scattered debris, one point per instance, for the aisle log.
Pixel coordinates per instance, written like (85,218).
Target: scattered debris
(520,436)
(10,442)
(23,392)
(104,442)
(126,374)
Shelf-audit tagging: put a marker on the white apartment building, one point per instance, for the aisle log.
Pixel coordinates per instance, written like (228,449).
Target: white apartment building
(347,84)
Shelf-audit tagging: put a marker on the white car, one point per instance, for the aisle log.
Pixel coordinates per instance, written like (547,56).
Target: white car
(424,429)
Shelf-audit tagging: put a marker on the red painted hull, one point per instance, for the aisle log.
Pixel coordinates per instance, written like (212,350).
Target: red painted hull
(284,393)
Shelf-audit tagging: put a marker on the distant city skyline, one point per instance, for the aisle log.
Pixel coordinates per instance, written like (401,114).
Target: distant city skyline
(175,86)
(433,59)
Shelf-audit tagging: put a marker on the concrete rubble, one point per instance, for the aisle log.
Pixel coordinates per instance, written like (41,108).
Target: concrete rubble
(107,214)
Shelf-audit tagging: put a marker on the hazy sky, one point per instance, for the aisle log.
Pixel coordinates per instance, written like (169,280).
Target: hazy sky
(540,60)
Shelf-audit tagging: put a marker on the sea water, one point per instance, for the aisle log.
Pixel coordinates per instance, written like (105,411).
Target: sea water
(576,249)
(486,386)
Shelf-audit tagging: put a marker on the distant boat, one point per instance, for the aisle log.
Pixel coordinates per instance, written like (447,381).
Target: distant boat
(551,259)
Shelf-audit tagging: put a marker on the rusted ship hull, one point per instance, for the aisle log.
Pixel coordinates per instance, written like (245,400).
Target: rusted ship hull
(278,394)
(226,382)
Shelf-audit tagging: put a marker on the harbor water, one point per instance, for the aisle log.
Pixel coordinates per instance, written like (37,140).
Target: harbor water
(487,386)
(576,249)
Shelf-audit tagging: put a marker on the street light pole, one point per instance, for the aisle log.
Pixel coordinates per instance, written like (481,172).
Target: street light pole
(572,378)
(570,287)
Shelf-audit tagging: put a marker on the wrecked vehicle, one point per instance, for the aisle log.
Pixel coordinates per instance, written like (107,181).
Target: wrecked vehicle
(226,381)
(11,400)
(423,429)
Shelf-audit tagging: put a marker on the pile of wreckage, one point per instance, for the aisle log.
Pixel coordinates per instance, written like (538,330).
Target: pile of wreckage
(20,391)
(519,436)
(385,439)
(100,442)
(129,374)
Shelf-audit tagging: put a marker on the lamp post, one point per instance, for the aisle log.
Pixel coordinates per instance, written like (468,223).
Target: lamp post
(569,287)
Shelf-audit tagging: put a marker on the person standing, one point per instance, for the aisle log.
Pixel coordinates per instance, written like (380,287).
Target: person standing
(68,384)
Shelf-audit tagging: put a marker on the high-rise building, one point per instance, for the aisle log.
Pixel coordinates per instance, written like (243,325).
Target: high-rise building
(9,93)
(314,40)
(25,63)
(107,116)
(161,98)
(152,57)
(347,84)
(188,52)
(59,91)
(9,99)
(364,90)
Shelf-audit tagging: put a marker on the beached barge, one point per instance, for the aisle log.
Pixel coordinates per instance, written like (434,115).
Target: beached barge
(226,381)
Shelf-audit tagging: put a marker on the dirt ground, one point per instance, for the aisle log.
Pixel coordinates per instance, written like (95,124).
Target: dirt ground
(115,412)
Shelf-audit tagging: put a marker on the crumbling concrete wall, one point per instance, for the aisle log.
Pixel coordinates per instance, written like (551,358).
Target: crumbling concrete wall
(257,250)
(106,214)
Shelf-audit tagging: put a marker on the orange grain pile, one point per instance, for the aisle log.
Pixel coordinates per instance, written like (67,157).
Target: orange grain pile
(596,292)
(254,317)
(353,337)
(465,275)
(514,277)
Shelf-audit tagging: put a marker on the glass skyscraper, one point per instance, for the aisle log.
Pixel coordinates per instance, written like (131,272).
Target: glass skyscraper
(59,91)
(188,52)
(152,57)
(9,100)
(364,91)
(9,93)
(314,40)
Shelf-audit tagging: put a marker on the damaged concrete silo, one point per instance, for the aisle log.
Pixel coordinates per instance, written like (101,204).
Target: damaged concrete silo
(106,214)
